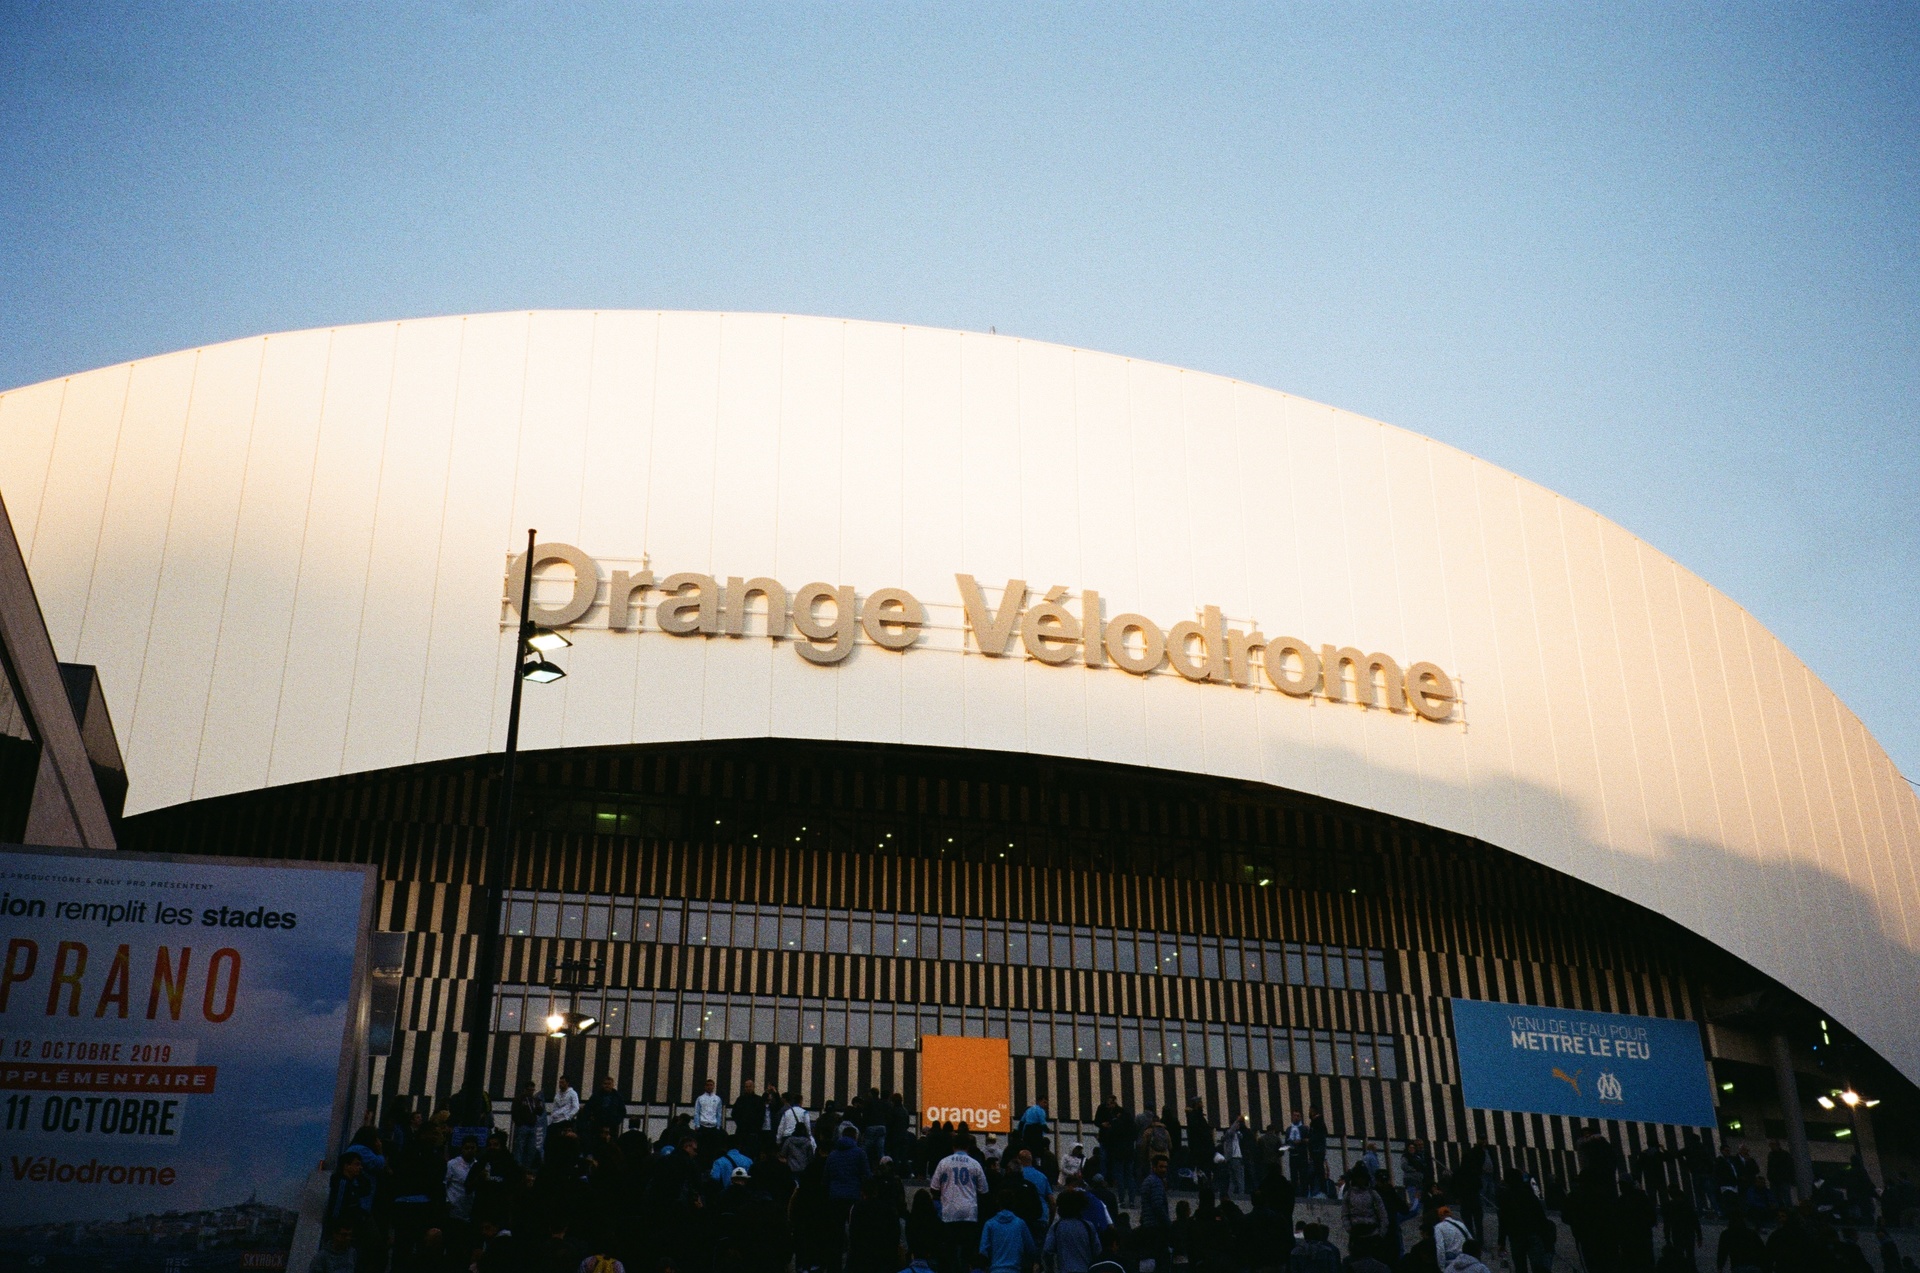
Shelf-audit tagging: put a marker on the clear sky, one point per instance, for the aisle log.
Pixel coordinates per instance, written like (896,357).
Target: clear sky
(1665,260)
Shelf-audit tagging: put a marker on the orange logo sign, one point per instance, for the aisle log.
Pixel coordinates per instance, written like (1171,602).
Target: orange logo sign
(966,1081)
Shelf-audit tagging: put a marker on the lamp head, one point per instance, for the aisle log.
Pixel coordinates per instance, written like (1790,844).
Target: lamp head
(547,640)
(541,672)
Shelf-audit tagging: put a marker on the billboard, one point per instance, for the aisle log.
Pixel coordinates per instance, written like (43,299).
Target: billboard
(1582,1064)
(176,1039)
(966,1081)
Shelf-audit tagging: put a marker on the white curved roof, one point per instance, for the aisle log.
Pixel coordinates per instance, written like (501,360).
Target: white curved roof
(285,554)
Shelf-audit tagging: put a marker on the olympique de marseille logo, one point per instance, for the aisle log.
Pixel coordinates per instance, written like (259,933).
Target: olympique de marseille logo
(1607,1088)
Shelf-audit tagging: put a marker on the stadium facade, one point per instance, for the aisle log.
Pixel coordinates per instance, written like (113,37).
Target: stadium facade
(1201,740)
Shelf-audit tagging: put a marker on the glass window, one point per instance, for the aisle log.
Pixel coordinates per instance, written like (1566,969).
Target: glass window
(976,944)
(1302,1052)
(1316,967)
(1343,1055)
(787,1018)
(950,1022)
(1123,952)
(1041,1031)
(810,1025)
(1237,1048)
(1130,1041)
(860,935)
(670,924)
(646,922)
(1336,968)
(620,921)
(1176,1044)
(690,1019)
(546,918)
(1322,1052)
(663,1017)
(996,943)
(508,1019)
(836,1028)
(1386,1054)
(950,939)
(1062,950)
(790,925)
(977,1024)
(1258,1055)
(1103,952)
(1189,957)
(519,919)
(1268,969)
(906,936)
(639,1016)
(1109,1039)
(1217,1046)
(1084,1047)
(1230,958)
(857,1027)
(1019,1039)
(1363,1057)
(1296,966)
(722,930)
(762,1019)
(573,920)
(696,925)
(597,921)
(1210,960)
(930,939)
(739,1022)
(813,933)
(837,933)
(765,933)
(906,1033)
(1376,970)
(883,934)
(1082,948)
(1016,943)
(1356,970)
(613,1017)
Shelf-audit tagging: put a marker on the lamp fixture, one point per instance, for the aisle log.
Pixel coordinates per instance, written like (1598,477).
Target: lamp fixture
(1825,1102)
(547,640)
(1850,1097)
(563,1025)
(541,672)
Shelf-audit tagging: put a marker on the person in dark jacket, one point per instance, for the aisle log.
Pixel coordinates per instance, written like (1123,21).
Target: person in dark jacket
(1199,1138)
(873,1231)
(749,1115)
(1740,1250)
(606,1108)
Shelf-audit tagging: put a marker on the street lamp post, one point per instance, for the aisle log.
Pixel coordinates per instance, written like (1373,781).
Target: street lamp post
(530,639)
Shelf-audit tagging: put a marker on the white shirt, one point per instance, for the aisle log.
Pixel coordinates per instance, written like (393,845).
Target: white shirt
(959,1182)
(793,1121)
(566,1106)
(707,1109)
(459,1201)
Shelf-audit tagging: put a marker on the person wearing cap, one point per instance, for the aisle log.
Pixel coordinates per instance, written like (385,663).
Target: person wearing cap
(731,1165)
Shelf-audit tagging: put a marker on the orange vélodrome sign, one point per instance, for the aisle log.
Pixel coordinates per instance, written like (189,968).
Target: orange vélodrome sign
(966,1081)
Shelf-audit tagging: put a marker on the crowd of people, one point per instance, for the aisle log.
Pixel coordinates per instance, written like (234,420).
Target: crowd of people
(761,1184)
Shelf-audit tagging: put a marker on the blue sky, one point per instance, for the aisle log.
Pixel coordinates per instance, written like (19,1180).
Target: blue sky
(1664,260)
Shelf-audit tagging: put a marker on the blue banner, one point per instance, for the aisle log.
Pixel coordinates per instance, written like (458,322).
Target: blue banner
(1582,1064)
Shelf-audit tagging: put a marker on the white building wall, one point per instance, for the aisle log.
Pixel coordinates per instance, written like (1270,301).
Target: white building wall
(285,555)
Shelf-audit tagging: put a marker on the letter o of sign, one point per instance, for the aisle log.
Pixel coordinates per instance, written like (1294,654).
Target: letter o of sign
(586,584)
(1121,651)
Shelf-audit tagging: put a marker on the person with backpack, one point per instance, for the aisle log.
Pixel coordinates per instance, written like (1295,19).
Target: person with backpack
(1450,1237)
(1008,1243)
(1073,1243)
(1362,1209)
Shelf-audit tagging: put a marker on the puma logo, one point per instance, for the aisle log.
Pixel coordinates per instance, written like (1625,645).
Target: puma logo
(1571,1080)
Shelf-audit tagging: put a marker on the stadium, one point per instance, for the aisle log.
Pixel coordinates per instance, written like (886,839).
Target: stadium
(1199,740)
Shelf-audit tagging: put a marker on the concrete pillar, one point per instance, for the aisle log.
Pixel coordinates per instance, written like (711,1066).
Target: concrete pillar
(1789,1091)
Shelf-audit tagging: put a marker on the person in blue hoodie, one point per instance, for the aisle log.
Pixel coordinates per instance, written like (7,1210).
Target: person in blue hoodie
(1008,1243)
(847,1169)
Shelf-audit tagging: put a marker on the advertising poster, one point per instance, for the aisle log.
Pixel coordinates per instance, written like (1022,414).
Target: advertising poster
(175,1035)
(966,1081)
(1595,1065)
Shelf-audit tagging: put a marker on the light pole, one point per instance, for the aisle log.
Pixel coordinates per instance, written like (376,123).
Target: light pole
(534,641)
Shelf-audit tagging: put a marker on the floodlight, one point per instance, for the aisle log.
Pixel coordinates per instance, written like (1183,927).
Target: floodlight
(540,672)
(547,640)
(564,1025)
(1851,1097)
(1825,1102)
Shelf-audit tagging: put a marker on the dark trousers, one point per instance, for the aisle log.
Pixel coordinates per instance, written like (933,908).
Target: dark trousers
(963,1243)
